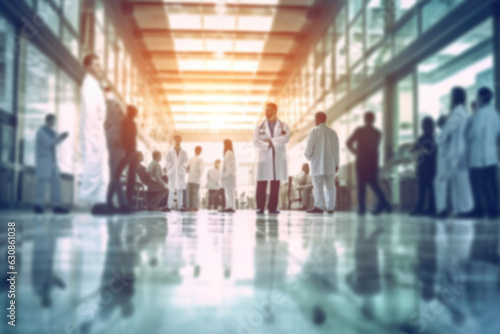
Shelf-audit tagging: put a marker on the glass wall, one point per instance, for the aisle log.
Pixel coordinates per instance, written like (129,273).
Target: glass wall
(7,45)
(404,113)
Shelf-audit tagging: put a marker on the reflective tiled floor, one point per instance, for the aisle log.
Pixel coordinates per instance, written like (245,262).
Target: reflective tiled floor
(208,272)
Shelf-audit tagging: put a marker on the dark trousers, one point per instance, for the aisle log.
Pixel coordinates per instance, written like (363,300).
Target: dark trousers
(368,176)
(213,199)
(425,192)
(261,195)
(117,163)
(128,160)
(222,198)
(485,190)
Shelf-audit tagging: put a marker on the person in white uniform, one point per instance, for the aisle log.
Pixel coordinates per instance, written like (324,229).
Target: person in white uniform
(195,169)
(177,161)
(454,130)
(442,180)
(46,169)
(323,152)
(270,138)
(228,176)
(95,175)
(482,138)
(213,186)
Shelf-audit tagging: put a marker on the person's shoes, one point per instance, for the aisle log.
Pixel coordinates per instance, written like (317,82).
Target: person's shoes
(193,210)
(229,211)
(260,212)
(60,210)
(183,209)
(331,212)
(38,209)
(274,212)
(381,208)
(125,210)
(315,210)
(165,210)
(303,208)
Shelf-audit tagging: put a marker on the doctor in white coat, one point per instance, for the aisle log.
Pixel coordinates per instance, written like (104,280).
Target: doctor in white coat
(95,175)
(270,138)
(323,152)
(442,179)
(228,176)
(454,132)
(177,162)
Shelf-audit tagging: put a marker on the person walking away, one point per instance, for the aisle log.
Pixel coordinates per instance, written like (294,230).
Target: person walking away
(270,138)
(228,176)
(364,143)
(177,160)
(323,152)
(46,169)
(213,186)
(195,169)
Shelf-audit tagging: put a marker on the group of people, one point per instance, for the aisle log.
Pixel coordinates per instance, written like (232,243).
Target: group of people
(462,160)
(457,170)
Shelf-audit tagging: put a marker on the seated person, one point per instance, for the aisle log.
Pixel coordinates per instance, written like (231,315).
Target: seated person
(303,183)
(156,189)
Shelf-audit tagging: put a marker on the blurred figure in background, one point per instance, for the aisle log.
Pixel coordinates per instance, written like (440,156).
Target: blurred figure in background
(129,143)
(157,190)
(482,138)
(323,152)
(213,186)
(94,178)
(442,180)
(303,183)
(177,161)
(426,150)
(454,131)
(228,178)
(364,143)
(195,169)
(46,169)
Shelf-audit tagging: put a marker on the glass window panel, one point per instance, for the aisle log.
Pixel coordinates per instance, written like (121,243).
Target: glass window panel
(375,22)
(403,6)
(468,62)
(71,11)
(406,35)
(356,41)
(99,13)
(7,52)
(39,94)
(341,59)
(8,145)
(70,41)
(340,24)
(340,90)
(358,75)
(355,7)
(328,72)
(435,10)
(404,113)
(49,16)
(379,57)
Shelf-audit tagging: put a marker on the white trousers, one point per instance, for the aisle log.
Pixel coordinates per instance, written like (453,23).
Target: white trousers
(230,200)
(55,188)
(171,198)
(324,184)
(441,193)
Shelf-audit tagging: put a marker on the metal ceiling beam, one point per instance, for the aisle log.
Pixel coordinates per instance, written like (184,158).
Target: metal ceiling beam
(228,5)
(218,33)
(236,91)
(204,54)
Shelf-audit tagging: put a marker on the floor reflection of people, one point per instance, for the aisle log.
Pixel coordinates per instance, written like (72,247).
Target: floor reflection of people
(365,278)
(43,278)
(427,260)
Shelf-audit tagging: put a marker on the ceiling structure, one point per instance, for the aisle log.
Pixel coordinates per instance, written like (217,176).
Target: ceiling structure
(220,61)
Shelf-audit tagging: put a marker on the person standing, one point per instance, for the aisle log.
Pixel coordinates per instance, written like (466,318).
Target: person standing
(364,143)
(177,161)
(442,179)
(46,169)
(228,178)
(95,174)
(154,170)
(213,186)
(454,132)
(482,138)
(157,190)
(195,169)
(129,143)
(323,152)
(426,150)
(270,138)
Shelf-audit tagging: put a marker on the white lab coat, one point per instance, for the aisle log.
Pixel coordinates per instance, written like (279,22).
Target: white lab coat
(323,150)
(195,170)
(213,179)
(176,169)
(454,130)
(228,173)
(95,175)
(442,172)
(45,153)
(269,167)
(482,135)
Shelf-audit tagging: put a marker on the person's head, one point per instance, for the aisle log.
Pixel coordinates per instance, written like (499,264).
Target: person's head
(428,125)
(305,168)
(320,118)
(131,111)
(228,145)
(50,120)
(369,118)
(139,157)
(157,155)
(441,121)
(458,97)
(197,150)
(271,111)
(92,65)
(177,140)
(474,106)
(484,96)
(217,164)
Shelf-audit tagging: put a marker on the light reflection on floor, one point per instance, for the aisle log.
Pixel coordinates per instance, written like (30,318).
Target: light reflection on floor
(208,272)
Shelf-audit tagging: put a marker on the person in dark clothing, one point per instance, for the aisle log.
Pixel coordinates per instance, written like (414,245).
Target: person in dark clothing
(364,143)
(129,144)
(426,151)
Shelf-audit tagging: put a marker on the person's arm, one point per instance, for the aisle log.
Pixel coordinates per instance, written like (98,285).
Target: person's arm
(311,146)
(350,142)
(336,151)
(258,142)
(284,137)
